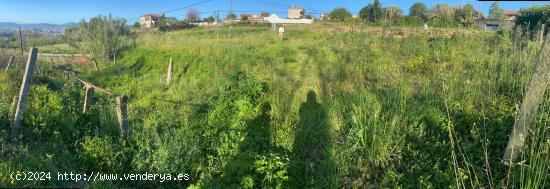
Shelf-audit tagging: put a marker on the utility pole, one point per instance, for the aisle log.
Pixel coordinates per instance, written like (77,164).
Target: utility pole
(217,24)
(478,10)
(230,12)
(21,39)
(390,15)
(386,17)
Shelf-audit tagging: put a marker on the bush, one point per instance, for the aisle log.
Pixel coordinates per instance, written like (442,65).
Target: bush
(230,137)
(103,36)
(339,14)
(443,23)
(9,90)
(103,154)
(409,21)
(532,17)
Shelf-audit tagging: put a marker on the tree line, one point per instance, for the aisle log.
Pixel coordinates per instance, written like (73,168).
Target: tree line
(441,14)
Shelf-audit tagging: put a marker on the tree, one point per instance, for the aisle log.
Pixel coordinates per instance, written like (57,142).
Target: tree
(137,25)
(102,36)
(465,14)
(495,12)
(419,10)
(443,12)
(478,14)
(192,15)
(162,23)
(372,12)
(393,12)
(71,36)
(244,18)
(231,16)
(533,17)
(340,14)
(209,19)
(378,10)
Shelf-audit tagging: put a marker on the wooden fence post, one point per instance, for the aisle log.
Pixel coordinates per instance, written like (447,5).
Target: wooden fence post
(529,106)
(95,65)
(38,68)
(10,62)
(170,73)
(122,115)
(21,39)
(88,98)
(24,92)
(13,105)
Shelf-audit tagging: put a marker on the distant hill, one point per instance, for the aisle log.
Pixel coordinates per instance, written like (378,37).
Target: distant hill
(11,25)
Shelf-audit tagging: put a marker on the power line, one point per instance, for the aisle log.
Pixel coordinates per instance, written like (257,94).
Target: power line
(177,9)
(290,6)
(274,3)
(189,6)
(251,11)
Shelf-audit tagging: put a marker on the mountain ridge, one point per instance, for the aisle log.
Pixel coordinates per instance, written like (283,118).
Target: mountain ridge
(13,25)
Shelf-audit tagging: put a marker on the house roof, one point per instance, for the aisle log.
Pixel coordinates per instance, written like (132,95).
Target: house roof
(247,15)
(510,13)
(151,15)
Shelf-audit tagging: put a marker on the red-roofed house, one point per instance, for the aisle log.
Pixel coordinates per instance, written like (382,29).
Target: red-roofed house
(264,14)
(149,20)
(248,16)
(510,15)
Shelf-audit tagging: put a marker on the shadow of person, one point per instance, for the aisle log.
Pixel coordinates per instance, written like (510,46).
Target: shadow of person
(257,142)
(310,162)
(258,132)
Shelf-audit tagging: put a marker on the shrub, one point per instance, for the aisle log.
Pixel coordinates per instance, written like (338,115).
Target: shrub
(46,114)
(339,14)
(443,23)
(532,17)
(104,154)
(409,21)
(103,35)
(351,20)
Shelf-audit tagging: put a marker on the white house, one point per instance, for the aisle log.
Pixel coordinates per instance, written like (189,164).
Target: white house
(296,13)
(149,20)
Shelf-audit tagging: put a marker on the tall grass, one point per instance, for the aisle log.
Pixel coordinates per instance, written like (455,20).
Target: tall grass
(321,109)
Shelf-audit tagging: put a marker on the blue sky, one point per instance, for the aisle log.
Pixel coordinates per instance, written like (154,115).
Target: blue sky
(63,11)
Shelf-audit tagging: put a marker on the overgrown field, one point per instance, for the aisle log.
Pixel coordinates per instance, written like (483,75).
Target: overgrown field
(320,109)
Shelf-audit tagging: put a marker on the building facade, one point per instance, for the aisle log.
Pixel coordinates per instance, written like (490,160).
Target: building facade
(510,15)
(296,13)
(149,20)
(325,16)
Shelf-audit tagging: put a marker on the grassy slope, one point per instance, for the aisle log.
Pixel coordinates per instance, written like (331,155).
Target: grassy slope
(387,111)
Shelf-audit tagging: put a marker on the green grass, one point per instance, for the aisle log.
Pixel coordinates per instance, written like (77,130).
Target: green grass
(321,109)
(58,49)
